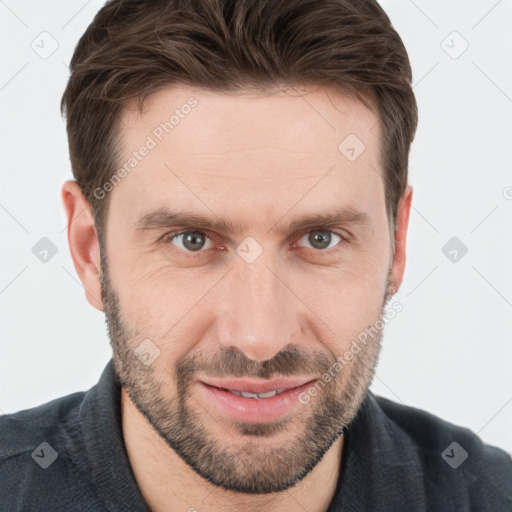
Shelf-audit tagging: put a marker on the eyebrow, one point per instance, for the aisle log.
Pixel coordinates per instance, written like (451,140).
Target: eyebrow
(164,218)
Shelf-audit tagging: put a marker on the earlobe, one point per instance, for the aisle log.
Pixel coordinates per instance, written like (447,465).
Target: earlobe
(83,241)
(399,257)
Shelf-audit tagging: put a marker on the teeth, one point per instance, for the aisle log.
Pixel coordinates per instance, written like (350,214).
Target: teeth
(249,395)
(268,394)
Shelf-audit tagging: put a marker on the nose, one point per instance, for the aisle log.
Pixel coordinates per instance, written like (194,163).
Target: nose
(258,312)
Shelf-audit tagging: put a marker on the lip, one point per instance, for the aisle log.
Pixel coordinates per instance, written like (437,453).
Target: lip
(254,410)
(255,386)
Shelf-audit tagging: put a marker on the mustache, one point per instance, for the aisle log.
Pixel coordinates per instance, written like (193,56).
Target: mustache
(230,361)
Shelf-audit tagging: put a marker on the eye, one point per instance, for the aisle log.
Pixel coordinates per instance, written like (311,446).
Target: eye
(194,241)
(190,241)
(322,239)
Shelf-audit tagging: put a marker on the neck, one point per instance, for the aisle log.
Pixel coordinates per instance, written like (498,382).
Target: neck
(168,483)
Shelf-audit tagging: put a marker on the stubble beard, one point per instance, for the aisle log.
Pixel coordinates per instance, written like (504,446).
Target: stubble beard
(243,462)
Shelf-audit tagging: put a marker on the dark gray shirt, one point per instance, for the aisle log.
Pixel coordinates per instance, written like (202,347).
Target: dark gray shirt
(69,454)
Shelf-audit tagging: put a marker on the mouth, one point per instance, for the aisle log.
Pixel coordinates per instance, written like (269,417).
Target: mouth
(251,388)
(248,394)
(252,401)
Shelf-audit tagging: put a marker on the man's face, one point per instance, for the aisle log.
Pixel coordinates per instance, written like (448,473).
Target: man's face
(265,301)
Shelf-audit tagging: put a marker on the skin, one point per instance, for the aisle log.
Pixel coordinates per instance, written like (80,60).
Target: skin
(262,160)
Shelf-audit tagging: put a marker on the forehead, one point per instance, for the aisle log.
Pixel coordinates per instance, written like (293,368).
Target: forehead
(316,118)
(200,149)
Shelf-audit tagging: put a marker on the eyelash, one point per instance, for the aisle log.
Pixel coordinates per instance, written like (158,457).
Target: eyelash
(189,254)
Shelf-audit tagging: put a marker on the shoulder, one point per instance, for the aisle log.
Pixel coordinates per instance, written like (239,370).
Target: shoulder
(451,456)
(36,471)
(431,433)
(20,430)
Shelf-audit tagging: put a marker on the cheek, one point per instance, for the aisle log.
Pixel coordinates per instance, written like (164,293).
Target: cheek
(162,305)
(175,307)
(346,303)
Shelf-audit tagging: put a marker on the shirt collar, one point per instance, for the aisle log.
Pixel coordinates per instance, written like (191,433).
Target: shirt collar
(106,461)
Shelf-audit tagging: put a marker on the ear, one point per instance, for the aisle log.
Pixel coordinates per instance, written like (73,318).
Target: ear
(83,241)
(402,223)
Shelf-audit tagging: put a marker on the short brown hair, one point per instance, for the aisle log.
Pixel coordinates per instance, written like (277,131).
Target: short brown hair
(136,47)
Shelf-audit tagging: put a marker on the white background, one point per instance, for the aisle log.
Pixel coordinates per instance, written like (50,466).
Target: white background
(449,351)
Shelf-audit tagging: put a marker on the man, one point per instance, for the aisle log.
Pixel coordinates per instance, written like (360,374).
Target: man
(239,212)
